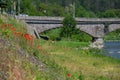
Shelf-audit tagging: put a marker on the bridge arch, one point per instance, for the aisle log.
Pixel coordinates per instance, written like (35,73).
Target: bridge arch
(80,35)
(61,27)
(88,29)
(111,31)
(92,30)
(113,27)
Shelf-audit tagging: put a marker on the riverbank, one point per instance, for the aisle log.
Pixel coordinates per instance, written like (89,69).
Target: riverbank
(86,64)
(112,40)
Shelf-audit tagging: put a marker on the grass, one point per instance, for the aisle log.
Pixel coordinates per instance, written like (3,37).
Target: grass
(72,44)
(85,64)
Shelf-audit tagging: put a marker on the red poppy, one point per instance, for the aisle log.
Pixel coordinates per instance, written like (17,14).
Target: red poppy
(13,29)
(27,36)
(68,75)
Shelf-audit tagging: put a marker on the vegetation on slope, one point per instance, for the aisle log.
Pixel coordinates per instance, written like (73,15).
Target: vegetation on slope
(14,63)
(21,55)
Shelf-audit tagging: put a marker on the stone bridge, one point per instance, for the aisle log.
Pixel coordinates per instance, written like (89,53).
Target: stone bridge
(95,27)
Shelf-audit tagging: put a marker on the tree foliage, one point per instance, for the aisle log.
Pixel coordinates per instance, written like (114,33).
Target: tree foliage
(69,27)
(83,8)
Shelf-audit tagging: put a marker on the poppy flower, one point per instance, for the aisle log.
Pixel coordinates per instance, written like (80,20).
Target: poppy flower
(68,75)
(27,36)
(13,29)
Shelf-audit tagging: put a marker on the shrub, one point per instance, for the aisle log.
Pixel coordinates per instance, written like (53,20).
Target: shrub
(69,27)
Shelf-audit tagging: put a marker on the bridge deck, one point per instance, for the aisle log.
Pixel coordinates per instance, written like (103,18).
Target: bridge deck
(78,22)
(61,18)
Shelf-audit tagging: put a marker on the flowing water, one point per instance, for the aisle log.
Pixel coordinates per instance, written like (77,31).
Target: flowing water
(112,49)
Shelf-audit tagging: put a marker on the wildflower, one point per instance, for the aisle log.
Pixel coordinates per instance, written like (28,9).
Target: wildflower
(27,36)
(13,29)
(68,75)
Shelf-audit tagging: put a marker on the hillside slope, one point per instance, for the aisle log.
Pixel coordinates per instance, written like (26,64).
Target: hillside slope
(21,57)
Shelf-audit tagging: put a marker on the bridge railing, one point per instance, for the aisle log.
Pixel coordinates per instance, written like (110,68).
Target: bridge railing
(61,18)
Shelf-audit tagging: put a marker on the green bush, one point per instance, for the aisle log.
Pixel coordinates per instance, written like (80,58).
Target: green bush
(81,36)
(69,27)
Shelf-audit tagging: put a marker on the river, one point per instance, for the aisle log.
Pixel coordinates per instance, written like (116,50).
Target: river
(112,49)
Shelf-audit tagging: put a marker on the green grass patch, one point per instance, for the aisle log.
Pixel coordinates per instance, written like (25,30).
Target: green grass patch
(82,64)
(72,44)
